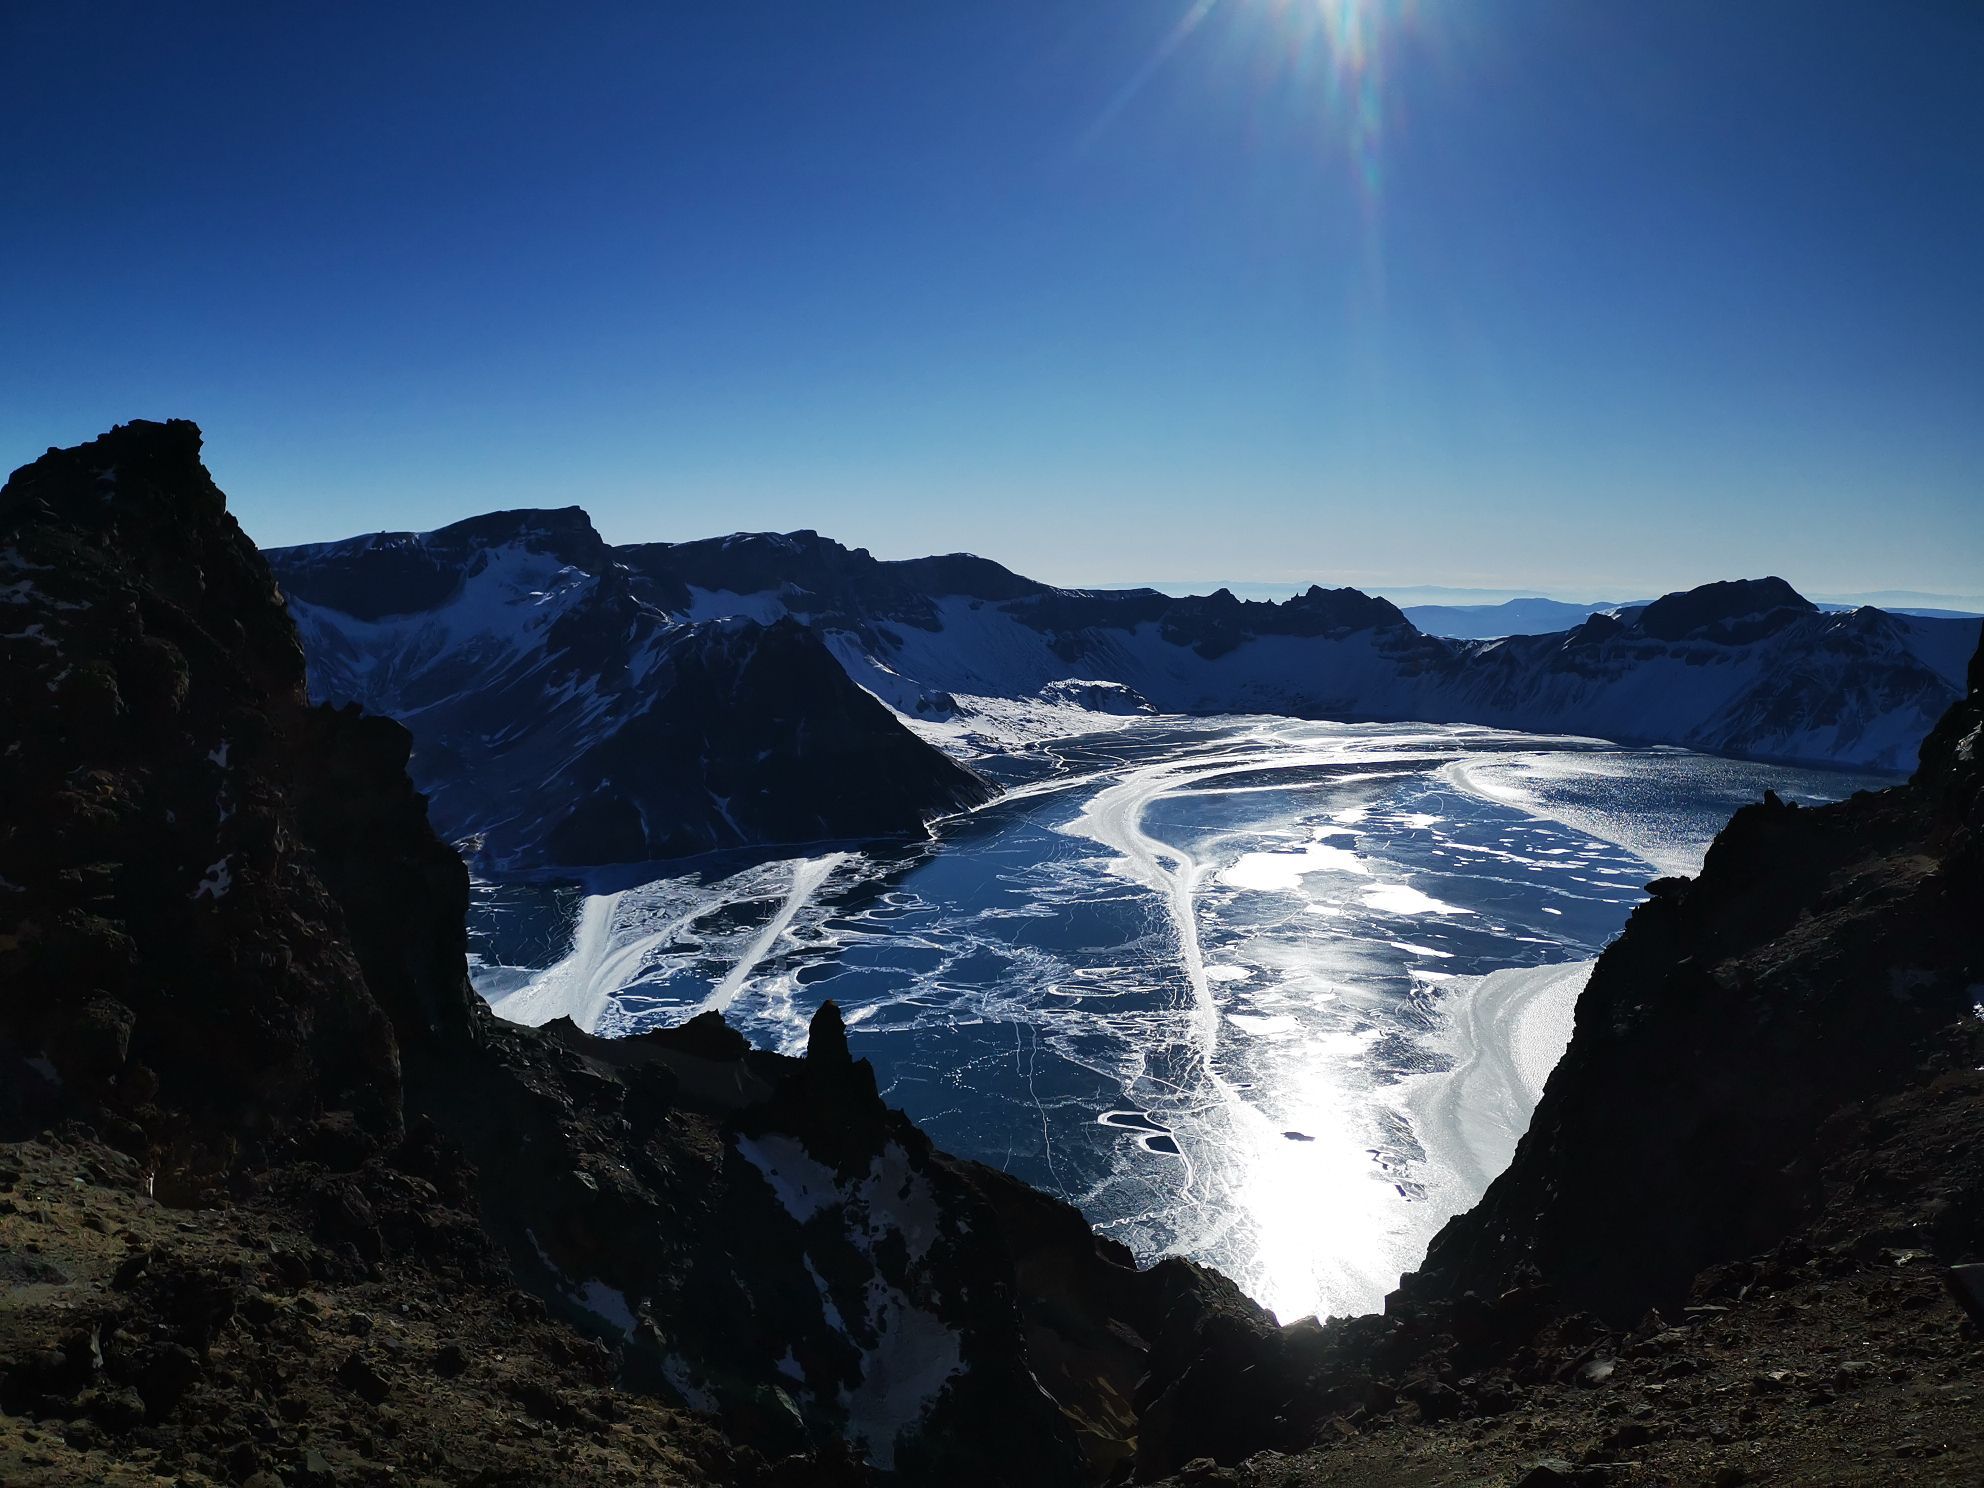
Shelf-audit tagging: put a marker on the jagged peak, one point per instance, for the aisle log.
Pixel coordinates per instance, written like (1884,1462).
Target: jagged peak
(1347,601)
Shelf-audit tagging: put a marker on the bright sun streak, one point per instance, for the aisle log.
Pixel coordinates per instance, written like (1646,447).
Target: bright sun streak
(1317,64)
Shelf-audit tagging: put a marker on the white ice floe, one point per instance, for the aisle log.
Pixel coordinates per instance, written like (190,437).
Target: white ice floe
(1405,900)
(1284,871)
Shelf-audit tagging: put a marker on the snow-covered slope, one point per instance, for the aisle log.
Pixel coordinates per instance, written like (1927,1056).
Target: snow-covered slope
(1748,667)
(560,717)
(1737,668)
(525,625)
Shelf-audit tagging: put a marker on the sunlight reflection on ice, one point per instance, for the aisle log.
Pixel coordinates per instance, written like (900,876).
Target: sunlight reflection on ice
(1177,988)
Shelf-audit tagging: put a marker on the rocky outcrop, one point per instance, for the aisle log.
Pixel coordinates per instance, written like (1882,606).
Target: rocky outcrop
(232,946)
(402,573)
(1732,612)
(169,951)
(1747,667)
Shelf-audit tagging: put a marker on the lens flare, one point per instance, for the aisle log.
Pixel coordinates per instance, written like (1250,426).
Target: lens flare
(1337,49)
(1308,64)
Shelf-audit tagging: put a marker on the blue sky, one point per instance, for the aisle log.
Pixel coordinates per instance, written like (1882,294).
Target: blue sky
(1546,294)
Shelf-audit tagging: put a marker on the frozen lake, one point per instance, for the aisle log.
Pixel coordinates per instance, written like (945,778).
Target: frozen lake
(1275,995)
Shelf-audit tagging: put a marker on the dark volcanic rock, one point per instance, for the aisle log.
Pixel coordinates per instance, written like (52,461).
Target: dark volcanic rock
(1733,611)
(165,935)
(399,573)
(759,737)
(1824,957)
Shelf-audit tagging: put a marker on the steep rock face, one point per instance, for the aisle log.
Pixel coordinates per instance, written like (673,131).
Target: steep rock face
(799,1260)
(560,717)
(760,737)
(167,944)
(233,944)
(403,573)
(1824,959)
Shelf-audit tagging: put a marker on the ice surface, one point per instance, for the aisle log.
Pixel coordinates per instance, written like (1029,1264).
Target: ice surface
(1504,1033)
(1131,979)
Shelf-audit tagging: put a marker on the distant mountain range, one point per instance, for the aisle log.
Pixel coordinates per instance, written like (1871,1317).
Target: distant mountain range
(1534,616)
(577,702)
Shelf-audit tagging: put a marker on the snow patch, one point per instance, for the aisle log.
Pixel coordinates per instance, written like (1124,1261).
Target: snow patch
(915,1352)
(219,879)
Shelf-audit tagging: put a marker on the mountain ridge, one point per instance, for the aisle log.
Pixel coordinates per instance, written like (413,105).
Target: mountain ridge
(952,643)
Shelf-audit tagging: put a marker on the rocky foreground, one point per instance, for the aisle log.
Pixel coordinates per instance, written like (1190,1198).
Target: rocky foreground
(281,1202)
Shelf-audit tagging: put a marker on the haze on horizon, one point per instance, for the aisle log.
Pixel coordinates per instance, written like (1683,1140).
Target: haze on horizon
(1534,296)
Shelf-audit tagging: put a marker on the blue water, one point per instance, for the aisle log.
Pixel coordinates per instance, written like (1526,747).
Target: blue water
(1197,978)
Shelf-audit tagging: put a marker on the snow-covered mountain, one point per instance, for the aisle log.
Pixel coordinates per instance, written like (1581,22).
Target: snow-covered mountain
(1746,667)
(574,702)
(1521,617)
(561,717)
